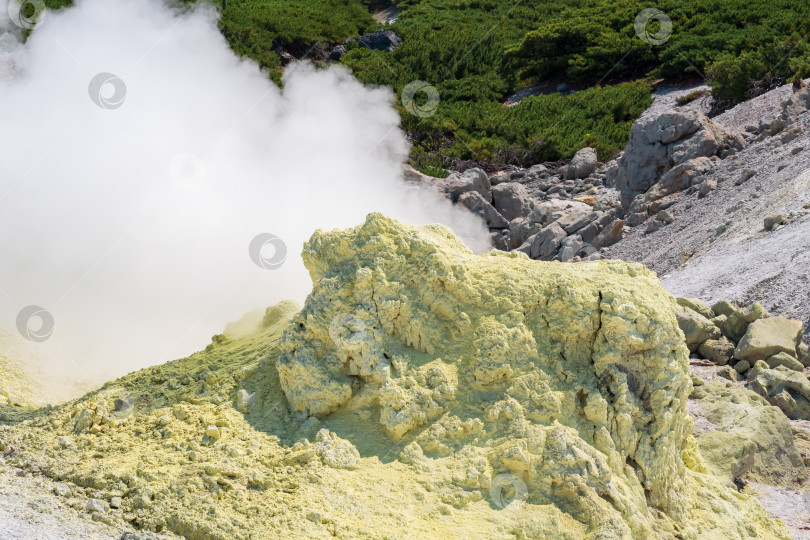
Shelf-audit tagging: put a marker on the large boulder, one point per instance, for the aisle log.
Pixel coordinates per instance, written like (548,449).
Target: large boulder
(475,203)
(568,382)
(582,165)
(767,337)
(696,328)
(747,439)
(659,143)
(545,244)
(511,200)
(470,180)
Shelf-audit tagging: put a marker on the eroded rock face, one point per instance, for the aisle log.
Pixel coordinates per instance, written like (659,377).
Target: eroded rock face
(572,378)
(661,143)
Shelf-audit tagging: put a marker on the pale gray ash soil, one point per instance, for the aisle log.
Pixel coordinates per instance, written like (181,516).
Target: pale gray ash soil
(717,247)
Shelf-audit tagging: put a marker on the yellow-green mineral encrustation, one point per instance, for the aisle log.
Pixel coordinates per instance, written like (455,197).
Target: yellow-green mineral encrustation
(423,391)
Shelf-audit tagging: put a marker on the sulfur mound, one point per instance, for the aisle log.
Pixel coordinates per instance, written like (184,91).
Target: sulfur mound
(570,381)
(422,392)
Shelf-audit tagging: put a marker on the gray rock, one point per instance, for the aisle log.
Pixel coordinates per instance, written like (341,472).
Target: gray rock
(546,243)
(475,203)
(570,247)
(378,40)
(795,106)
(470,180)
(707,187)
(665,216)
(659,143)
(582,165)
(500,240)
(511,200)
(610,234)
(589,232)
(337,52)
(95,506)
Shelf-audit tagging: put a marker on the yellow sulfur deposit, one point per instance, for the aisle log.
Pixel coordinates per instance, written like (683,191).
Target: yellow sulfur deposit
(422,392)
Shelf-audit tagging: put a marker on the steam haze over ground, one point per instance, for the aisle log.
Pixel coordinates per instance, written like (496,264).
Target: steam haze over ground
(131,224)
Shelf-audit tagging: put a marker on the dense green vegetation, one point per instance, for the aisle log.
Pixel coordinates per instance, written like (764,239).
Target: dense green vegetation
(478,52)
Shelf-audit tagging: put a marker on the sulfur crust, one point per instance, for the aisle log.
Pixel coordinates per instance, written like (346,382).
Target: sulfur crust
(418,392)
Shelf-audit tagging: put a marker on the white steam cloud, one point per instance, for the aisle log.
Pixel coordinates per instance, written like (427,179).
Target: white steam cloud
(140,158)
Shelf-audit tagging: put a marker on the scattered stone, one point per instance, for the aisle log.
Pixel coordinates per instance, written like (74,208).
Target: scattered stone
(767,337)
(718,351)
(787,389)
(742,366)
(724,307)
(212,434)
(696,328)
(727,372)
(784,359)
(95,505)
(665,216)
(772,221)
(696,305)
(707,187)
(746,175)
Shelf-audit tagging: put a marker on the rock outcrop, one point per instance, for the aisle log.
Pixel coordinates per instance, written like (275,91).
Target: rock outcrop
(669,153)
(570,382)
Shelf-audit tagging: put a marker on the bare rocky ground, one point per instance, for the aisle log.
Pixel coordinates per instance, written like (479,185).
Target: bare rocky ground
(30,510)
(717,247)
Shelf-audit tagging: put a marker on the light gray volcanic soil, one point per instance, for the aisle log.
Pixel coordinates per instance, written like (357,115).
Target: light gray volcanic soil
(717,248)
